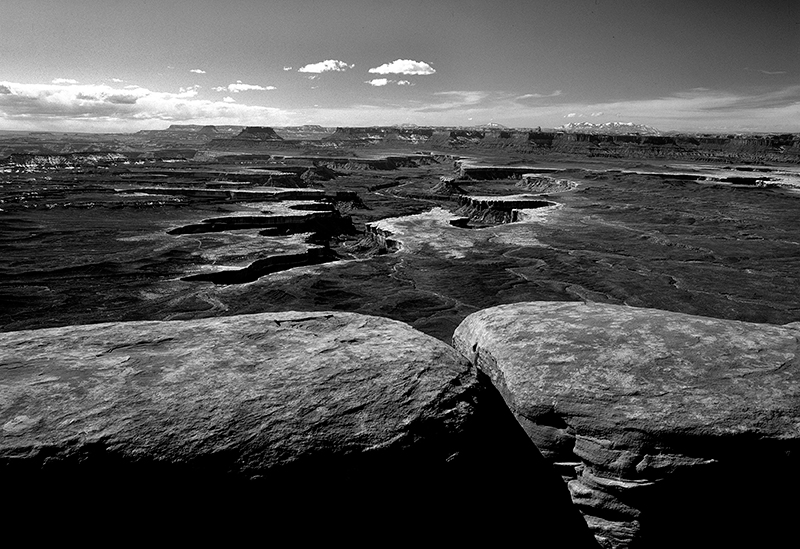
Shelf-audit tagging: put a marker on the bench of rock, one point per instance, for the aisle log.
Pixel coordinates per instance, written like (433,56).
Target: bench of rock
(359,423)
(672,430)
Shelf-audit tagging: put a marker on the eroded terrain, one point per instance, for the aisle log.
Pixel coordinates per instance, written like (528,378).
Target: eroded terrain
(651,418)
(422,236)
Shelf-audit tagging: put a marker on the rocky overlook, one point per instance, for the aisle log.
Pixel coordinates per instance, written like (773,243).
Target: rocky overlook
(636,408)
(257,414)
(270,320)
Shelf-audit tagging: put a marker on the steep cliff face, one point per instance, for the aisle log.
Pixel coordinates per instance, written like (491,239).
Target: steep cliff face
(259,133)
(37,162)
(672,430)
(498,209)
(363,135)
(177,135)
(248,138)
(375,134)
(621,141)
(778,148)
(305,132)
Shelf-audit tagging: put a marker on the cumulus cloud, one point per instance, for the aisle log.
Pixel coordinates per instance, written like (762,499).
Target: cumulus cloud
(117,80)
(64,81)
(229,99)
(190,91)
(287,68)
(404,66)
(326,66)
(104,107)
(240,87)
(539,95)
(197,71)
(385,81)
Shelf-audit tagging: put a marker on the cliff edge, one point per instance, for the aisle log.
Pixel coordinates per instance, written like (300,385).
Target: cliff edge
(324,424)
(671,429)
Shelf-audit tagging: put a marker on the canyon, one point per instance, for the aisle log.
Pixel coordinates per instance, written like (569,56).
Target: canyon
(305,309)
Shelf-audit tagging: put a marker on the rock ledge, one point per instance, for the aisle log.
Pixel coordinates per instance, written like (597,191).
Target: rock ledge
(651,415)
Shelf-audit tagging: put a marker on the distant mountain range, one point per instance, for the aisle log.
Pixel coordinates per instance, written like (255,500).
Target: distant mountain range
(609,128)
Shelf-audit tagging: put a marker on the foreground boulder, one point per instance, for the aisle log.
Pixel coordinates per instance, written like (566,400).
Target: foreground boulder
(671,430)
(302,416)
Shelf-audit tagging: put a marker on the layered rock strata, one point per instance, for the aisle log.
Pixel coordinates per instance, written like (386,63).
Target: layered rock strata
(672,430)
(536,182)
(328,424)
(499,209)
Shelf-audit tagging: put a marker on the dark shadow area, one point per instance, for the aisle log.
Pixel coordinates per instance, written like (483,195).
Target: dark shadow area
(265,266)
(487,482)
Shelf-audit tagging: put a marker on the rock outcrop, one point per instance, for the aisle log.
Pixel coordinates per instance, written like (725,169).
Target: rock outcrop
(335,422)
(672,430)
(259,133)
(249,137)
(538,183)
(499,209)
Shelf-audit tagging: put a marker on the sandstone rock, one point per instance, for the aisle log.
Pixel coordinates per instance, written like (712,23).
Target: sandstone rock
(293,417)
(677,419)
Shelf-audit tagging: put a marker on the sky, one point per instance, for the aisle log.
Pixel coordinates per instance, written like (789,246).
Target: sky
(127,65)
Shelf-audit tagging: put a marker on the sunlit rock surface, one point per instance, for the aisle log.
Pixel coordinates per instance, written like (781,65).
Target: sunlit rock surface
(669,428)
(294,417)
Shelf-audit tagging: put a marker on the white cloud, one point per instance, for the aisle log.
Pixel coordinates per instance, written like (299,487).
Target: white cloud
(287,68)
(599,113)
(326,66)
(240,87)
(105,108)
(190,91)
(404,66)
(539,95)
(197,71)
(385,81)
(128,108)
(229,99)
(571,115)
(117,80)
(64,81)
